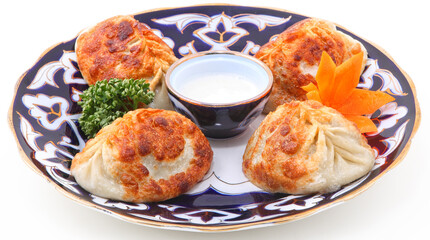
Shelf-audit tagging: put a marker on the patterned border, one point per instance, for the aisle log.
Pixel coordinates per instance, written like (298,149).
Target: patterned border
(52,112)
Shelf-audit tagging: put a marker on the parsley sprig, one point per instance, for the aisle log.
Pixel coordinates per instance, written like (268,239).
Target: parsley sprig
(108,100)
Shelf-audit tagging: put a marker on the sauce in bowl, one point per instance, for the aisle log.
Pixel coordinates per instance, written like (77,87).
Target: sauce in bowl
(219,88)
(221,91)
(219,79)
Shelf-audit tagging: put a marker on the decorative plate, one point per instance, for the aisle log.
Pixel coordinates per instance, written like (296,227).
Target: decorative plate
(44,113)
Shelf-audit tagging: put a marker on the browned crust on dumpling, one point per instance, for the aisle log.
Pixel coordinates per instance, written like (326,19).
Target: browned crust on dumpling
(301,45)
(159,133)
(282,157)
(121,47)
(271,174)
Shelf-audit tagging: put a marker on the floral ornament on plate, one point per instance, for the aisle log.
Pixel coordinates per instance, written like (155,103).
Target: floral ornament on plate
(44,113)
(220,31)
(45,75)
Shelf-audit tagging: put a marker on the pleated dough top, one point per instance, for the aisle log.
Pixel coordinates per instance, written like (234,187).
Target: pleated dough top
(305,147)
(147,155)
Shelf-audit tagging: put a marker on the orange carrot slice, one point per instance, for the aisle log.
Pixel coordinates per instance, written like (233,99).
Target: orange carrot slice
(363,123)
(362,102)
(310,87)
(336,88)
(325,78)
(313,95)
(347,76)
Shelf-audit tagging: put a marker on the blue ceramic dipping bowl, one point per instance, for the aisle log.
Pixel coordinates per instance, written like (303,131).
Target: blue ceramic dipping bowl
(222,92)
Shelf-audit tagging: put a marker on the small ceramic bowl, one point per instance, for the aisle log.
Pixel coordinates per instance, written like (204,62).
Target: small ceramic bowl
(220,91)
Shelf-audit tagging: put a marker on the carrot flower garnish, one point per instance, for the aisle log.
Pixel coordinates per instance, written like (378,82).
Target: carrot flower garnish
(336,88)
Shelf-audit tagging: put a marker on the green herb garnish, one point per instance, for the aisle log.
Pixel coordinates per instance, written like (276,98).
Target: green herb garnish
(108,100)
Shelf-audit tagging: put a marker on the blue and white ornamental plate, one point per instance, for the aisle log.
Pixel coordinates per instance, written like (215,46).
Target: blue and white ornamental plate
(44,113)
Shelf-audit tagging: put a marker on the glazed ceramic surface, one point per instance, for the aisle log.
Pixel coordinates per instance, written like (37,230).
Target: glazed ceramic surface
(44,114)
(221,69)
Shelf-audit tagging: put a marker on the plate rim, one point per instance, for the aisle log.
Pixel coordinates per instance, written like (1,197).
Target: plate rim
(219,228)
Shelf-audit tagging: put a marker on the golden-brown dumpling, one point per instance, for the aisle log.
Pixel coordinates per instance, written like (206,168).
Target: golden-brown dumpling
(305,147)
(147,155)
(294,56)
(122,47)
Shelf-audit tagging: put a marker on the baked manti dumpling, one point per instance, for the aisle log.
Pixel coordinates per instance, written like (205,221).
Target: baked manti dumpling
(122,47)
(304,147)
(147,155)
(294,57)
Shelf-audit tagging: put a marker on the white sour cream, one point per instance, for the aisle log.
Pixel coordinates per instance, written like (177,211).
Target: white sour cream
(218,87)
(219,79)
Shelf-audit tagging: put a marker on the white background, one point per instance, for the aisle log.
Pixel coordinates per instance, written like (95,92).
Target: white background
(395,207)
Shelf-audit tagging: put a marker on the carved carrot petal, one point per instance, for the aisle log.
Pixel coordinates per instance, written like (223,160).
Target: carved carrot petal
(347,76)
(364,124)
(325,78)
(362,102)
(314,95)
(310,87)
